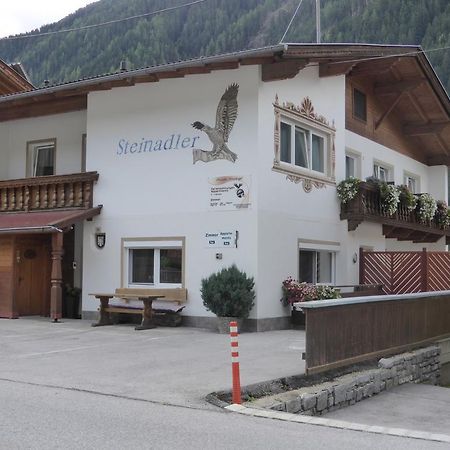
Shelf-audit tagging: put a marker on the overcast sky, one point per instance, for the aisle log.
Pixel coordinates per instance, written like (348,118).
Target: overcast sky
(18,16)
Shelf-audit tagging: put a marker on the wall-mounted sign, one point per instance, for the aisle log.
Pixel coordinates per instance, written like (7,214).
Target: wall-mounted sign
(229,193)
(221,239)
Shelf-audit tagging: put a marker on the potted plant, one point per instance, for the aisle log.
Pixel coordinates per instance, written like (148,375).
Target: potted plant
(229,294)
(407,198)
(441,215)
(426,208)
(295,291)
(348,189)
(390,198)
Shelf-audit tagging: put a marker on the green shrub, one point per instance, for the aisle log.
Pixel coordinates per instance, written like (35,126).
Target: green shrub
(228,293)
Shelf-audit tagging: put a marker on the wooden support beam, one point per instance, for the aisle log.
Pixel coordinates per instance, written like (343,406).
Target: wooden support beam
(374,67)
(443,144)
(149,78)
(397,87)
(282,70)
(420,129)
(438,160)
(196,70)
(56,277)
(164,75)
(388,110)
(256,61)
(417,107)
(332,69)
(227,65)
(54,106)
(389,231)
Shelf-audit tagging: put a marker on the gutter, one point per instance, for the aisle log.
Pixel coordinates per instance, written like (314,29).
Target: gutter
(199,62)
(44,229)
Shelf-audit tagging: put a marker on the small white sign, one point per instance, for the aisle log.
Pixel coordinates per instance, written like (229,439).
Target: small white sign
(221,239)
(229,193)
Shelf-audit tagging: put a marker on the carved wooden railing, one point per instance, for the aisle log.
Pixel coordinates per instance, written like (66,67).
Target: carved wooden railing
(367,206)
(49,192)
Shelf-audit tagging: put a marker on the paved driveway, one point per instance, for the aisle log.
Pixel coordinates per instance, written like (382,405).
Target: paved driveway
(170,365)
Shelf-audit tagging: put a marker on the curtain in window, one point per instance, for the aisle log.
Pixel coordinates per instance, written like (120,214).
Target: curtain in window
(285,143)
(317,153)
(170,266)
(142,262)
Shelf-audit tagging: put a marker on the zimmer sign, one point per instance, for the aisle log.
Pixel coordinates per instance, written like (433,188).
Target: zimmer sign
(221,239)
(148,145)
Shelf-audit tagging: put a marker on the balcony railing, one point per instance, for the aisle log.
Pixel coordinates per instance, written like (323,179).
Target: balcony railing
(48,193)
(402,225)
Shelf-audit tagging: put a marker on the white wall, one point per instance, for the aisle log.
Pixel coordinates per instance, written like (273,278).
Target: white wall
(4,150)
(438,182)
(371,151)
(161,193)
(287,213)
(67,128)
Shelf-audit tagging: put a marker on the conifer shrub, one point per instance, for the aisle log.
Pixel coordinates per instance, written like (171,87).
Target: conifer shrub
(228,293)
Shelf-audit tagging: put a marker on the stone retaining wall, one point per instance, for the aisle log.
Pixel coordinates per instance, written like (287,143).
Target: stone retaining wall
(419,366)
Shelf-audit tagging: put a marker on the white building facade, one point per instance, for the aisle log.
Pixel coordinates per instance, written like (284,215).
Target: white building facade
(176,208)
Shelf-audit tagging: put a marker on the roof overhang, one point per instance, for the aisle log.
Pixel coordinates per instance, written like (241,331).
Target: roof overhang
(12,80)
(44,222)
(277,62)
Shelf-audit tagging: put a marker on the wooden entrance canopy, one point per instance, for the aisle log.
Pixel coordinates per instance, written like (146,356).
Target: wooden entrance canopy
(26,223)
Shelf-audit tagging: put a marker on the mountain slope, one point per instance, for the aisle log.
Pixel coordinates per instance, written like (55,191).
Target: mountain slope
(218,26)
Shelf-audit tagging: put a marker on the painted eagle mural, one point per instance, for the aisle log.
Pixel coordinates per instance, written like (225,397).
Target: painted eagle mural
(218,135)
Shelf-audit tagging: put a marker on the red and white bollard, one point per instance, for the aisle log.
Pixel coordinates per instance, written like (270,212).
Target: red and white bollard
(235,363)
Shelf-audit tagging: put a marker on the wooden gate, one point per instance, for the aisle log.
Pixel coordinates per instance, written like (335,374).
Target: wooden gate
(406,272)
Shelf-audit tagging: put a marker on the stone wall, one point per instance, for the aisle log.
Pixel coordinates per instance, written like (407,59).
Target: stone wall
(419,366)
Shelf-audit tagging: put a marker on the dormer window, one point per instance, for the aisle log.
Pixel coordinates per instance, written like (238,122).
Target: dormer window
(359,105)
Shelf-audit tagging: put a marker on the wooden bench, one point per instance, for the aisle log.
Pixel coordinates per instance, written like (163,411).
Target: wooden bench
(146,296)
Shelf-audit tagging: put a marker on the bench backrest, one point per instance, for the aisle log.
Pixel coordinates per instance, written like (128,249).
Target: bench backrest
(170,294)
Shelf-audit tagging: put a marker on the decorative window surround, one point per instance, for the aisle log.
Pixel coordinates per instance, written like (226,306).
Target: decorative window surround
(305,116)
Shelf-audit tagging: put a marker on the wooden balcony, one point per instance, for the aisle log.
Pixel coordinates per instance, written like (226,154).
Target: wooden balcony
(404,225)
(74,191)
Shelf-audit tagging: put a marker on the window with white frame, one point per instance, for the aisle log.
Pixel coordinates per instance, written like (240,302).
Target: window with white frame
(303,147)
(412,182)
(316,266)
(382,171)
(153,263)
(41,156)
(352,165)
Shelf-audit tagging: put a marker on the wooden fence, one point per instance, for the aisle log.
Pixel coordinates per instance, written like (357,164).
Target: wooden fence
(406,272)
(346,331)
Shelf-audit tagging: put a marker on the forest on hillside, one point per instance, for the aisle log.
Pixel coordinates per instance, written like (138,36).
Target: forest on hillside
(219,26)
